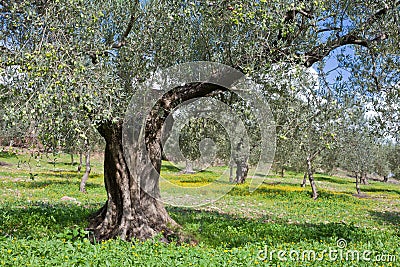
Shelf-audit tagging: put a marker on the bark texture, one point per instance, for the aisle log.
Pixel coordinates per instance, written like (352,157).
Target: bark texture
(129,212)
(242,169)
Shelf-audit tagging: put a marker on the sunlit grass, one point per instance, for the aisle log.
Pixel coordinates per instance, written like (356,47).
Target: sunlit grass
(37,227)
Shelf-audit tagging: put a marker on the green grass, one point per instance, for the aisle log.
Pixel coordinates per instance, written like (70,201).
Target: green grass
(37,228)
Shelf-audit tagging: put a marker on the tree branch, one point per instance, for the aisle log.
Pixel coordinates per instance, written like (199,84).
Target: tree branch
(329,29)
(94,56)
(319,52)
(128,29)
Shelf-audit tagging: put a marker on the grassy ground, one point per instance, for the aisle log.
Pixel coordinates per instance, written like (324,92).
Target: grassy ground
(277,225)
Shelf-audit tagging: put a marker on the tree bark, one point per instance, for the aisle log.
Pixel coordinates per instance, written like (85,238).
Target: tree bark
(363,178)
(130,211)
(358,183)
(189,167)
(282,172)
(85,176)
(231,165)
(242,168)
(385,179)
(310,173)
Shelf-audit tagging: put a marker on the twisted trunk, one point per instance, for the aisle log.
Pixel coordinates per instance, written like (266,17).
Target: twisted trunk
(131,174)
(131,211)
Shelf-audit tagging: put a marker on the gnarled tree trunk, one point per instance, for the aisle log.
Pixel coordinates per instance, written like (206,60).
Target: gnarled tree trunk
(129,212)
(133,209)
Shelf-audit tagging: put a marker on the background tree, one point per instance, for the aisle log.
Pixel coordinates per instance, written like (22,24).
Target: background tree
(394,161)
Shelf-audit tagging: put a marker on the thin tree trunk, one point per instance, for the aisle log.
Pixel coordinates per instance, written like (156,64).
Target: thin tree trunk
(189,167)
(85,176)
(385,179)
(304,182)
(231,165)
(364,179)
(282,172)
(72,159)
(310,173)
(358,183)
(80,161)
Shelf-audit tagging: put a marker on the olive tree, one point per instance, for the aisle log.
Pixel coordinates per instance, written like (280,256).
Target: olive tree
(90,56)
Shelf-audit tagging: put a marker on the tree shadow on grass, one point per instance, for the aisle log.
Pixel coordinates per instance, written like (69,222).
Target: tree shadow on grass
(7,154)
(43,184)
(40,219)
(380,190)
(68,175)
(334,180)
(62,163)
(169,168)
(290,191)
(389,217)
(216,229)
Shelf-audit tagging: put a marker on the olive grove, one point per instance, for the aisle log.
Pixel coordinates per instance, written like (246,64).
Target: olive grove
(79,63)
